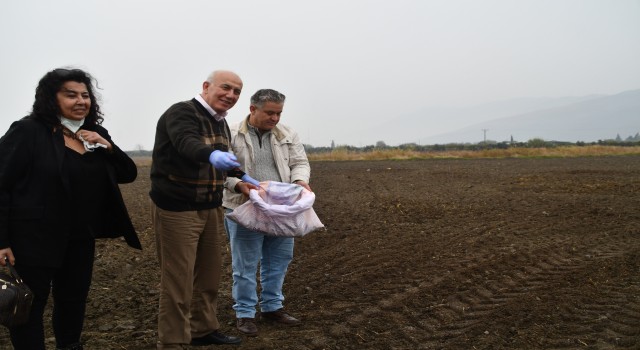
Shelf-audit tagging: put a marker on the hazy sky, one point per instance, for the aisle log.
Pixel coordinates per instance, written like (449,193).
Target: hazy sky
(343,65)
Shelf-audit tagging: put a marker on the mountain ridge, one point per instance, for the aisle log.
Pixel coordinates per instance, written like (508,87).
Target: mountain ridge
(589,120)
(572,118)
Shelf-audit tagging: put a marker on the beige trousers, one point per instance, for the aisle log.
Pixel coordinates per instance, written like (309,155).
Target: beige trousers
(188,247)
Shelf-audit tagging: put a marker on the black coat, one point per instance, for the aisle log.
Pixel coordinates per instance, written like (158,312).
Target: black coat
(35,198)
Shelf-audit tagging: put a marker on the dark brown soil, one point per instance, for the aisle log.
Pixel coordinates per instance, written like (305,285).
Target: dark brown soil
(433,254)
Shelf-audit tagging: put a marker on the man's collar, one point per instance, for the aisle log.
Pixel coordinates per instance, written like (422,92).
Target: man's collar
(216,116)
(256,130)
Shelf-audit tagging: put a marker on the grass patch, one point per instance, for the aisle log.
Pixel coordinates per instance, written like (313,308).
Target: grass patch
(514,152)
(341,154)
(142,160)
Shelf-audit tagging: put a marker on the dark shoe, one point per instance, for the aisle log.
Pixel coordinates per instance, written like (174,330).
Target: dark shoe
(281,317)
(216,338)
(247,326)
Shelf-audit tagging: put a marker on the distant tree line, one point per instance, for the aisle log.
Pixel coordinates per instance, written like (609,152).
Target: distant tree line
(484,145)
(635,138)
(631,141)
(139,153)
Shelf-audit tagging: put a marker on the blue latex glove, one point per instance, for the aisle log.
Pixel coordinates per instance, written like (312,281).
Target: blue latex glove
(249,179)
(223,160)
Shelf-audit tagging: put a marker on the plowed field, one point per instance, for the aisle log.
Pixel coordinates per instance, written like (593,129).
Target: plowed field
(431,254)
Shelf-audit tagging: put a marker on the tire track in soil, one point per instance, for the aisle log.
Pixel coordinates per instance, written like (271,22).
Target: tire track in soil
(469,312)
(610,320)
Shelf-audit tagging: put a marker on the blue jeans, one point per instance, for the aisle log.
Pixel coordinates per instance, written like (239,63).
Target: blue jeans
(248,248)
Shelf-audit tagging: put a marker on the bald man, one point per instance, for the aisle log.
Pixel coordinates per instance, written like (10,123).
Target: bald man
(190,163)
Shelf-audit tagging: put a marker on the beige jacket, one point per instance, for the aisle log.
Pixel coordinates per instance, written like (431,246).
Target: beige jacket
(288,153)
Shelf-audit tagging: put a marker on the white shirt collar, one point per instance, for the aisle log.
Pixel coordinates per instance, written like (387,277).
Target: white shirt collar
(216,116)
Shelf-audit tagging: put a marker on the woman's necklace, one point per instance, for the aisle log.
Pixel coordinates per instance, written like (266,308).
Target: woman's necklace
(70,127)
(70,134)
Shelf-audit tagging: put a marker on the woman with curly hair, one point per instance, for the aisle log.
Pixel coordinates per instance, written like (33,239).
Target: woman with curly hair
(59,176)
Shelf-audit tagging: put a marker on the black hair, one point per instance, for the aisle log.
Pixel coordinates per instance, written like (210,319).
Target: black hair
(46,107)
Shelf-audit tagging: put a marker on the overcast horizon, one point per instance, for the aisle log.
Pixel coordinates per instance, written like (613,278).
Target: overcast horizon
(344,66)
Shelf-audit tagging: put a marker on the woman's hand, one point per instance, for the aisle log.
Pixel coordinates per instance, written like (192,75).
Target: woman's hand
(94,137)
(9,254)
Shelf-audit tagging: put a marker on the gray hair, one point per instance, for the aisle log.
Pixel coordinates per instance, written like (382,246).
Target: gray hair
(266,95)
(212,77)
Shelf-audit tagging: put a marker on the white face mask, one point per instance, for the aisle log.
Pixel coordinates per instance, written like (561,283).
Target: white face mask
(71,124)
(74,126)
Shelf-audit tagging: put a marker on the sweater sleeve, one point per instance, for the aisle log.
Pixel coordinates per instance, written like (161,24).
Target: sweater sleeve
(183,128)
